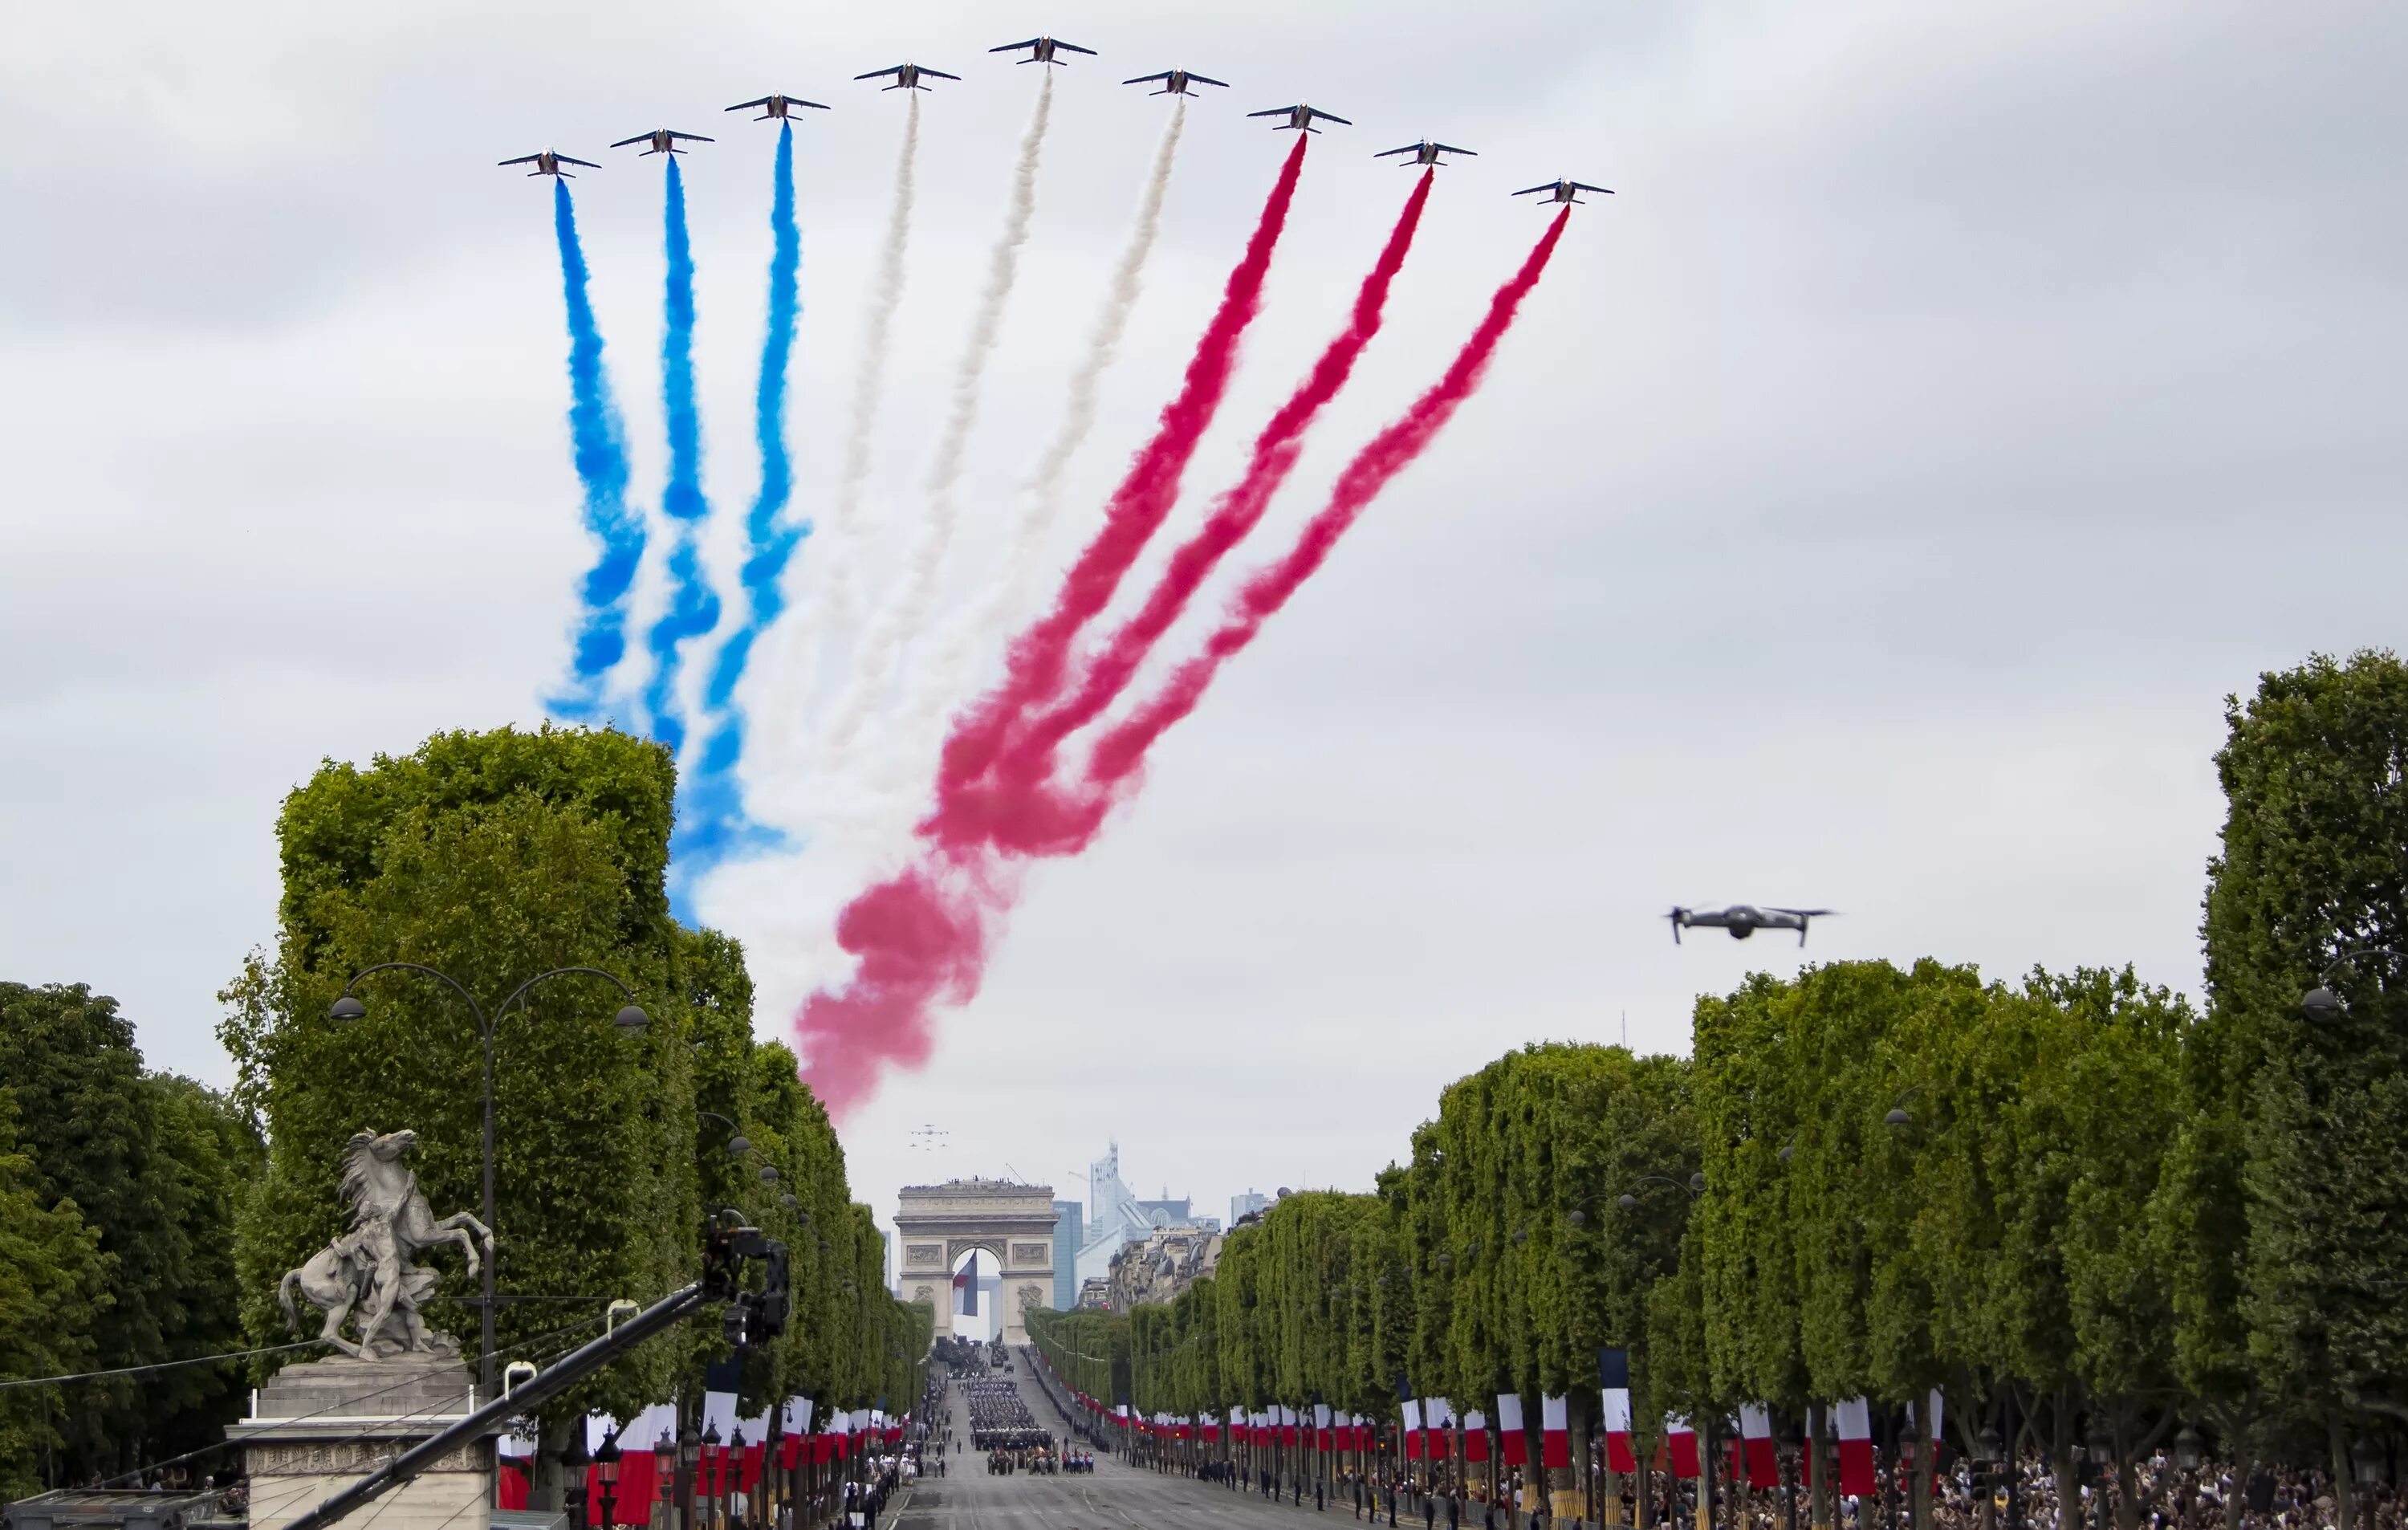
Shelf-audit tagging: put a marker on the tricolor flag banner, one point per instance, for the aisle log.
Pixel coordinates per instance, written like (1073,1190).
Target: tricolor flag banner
(1287,1428)
(756,1448)
(1321,1430)
(1475,1438)
(966,1289)
(1756,1432)
(1412,1412)
(1854,1424)
(1681,1446)
(1734,1457)
(1513,1447)
(515,1460)
(1554,1426)
(1437,1418)
(1613,1377)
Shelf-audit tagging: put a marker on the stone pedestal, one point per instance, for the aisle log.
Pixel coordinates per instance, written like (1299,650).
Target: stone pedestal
(320,1426)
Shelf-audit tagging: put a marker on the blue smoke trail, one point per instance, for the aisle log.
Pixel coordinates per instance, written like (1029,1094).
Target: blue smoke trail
(601,456)
(713,825)
(694,606)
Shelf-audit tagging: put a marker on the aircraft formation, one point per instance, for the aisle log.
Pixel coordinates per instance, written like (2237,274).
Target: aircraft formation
(909,76)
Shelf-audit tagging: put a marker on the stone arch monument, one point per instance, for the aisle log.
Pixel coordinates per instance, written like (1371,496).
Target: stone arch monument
(1013,1223)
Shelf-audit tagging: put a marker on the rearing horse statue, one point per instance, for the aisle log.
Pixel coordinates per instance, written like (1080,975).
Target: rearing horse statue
(368,1270)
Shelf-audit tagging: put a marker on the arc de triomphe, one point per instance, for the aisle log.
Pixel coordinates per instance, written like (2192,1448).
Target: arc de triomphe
(1013,1222)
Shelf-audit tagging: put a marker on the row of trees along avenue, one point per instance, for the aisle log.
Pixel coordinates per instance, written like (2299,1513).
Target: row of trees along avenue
(490,857)
(2089,1214)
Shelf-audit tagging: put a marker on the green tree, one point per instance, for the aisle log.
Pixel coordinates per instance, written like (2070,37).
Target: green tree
(53,1292)
(492,857)
(2306,1121)
(152,1164)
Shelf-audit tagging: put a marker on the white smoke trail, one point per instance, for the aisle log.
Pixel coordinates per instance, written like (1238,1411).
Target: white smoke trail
(840,528)
(880,657)
(980,630)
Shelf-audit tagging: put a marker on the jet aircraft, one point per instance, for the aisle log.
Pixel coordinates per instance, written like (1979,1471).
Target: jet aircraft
(663,140)
(907,77)
(1743,920)
(1042,50)
(1561,191)
(548,162)
(1426,152)
(1300,118)
(1175,82)
(777,105)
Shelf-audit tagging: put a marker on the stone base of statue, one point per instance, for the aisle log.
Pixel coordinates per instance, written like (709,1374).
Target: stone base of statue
(321,1425)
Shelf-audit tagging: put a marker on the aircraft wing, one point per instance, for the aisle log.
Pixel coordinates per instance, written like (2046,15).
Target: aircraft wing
(880,74)
(1275,111)
(566,160)
(1206,79)
(693,137)
(1074,48)
(1016,47)
(748,106)
(1584,186)
(530,159)
(938,73)
(640,138)
(1327,116)
(1148,79)
(1409,148)
(1548,187)
(1450,148)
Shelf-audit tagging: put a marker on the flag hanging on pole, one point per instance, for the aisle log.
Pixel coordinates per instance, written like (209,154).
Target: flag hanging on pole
(1437,1418)
(1475,1438)
(1756,1431)
(1613,1377)
(1512,1445)
(1413,1429)
(1855,1428)
(1555,1424)
(1681,1446)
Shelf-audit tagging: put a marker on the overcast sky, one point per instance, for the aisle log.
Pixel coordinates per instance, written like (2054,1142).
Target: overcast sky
(1881,497)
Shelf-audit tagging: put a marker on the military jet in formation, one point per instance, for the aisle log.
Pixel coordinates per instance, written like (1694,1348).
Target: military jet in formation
(1561,191)
(907,76)
(1743,919)
(548,162)
(1424,152)
(1300,117)
(663,140)
(1175,81)
(779,107)
(1042,50)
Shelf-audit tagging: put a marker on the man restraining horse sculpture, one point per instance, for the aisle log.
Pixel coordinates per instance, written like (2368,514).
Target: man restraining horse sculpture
(368,1270)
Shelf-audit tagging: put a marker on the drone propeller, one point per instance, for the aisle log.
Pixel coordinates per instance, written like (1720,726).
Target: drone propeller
(1679,916)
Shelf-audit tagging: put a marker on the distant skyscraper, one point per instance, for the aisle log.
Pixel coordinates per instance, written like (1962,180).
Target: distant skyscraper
(1066,1256)
(1247,1204)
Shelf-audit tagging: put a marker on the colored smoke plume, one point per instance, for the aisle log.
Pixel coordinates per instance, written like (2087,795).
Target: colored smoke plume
(846,593)
(1033,668)
(711,822)
(1121,752)
(981,629)
(599,447)
(1280,442)
(880,657)
(694,605)
(923,935)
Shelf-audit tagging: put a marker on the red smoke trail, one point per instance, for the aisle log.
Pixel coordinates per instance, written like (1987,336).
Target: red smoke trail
(1066,825)
(1029,758)
(1033,669)
(923,935)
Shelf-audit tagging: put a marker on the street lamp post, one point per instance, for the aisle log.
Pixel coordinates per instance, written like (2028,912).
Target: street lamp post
(630,1021)
(2321,1003)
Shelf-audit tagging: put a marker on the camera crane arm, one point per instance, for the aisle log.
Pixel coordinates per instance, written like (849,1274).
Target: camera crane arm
(750,1318)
